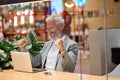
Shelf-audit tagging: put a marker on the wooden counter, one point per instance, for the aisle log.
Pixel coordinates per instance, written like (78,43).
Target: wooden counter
(15,75)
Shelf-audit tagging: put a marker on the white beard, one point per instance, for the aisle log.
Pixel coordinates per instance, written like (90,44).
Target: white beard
(57,35)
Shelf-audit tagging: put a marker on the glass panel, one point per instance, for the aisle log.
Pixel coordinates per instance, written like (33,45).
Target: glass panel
(97,52)
(112,37)
(95,27)
(86,22)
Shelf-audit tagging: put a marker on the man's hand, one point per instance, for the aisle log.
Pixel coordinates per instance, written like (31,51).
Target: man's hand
(22,43)
(59,44)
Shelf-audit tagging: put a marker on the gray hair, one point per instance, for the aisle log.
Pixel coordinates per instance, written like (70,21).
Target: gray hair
(58,19)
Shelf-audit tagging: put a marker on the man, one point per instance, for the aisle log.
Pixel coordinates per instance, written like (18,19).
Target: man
(60,53)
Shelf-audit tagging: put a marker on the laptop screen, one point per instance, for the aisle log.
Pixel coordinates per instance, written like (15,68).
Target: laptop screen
(21,61)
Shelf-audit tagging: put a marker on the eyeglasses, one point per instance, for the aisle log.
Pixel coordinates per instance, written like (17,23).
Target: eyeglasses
(50,29)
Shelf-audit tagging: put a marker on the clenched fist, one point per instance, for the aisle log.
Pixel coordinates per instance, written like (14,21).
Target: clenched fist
(59,44)
(22,43)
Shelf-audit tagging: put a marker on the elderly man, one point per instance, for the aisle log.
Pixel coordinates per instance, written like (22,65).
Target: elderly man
(60,53)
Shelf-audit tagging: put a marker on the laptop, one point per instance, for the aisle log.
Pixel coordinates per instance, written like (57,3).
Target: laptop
(22,62)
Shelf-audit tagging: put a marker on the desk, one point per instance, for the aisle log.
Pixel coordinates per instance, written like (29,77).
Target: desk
(14,75)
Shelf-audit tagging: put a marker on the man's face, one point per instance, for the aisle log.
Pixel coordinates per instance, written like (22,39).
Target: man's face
(53,31)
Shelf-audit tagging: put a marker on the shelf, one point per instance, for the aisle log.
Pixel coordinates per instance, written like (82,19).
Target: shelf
(40,11)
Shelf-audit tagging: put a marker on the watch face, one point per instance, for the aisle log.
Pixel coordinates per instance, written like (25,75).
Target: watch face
(81,3)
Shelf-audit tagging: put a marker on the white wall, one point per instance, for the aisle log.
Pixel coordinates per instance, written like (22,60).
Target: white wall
(96,22)
(101,42)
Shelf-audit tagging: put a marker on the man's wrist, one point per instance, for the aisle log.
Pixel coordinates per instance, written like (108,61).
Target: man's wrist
(62,51)
(22,49)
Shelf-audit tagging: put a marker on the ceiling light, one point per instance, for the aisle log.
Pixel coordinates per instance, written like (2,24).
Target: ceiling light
(69,4)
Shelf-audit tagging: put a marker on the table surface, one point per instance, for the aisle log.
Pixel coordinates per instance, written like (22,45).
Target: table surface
(44,75)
